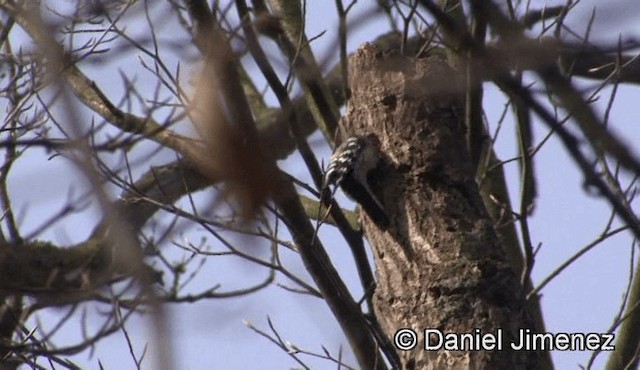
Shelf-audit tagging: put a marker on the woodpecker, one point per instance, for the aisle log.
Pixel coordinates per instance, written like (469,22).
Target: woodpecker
(350,167)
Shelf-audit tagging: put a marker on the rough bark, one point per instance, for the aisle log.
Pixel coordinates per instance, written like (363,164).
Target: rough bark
(439,265)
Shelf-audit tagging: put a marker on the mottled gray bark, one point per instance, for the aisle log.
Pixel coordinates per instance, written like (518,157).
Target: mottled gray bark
(439,265)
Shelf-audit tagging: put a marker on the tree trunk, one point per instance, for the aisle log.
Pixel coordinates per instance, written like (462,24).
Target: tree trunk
(439,265)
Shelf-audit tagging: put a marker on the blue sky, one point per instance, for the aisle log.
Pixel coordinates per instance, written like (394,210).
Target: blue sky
(584,298)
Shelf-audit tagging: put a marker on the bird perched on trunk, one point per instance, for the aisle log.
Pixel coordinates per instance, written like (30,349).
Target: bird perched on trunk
(351,167)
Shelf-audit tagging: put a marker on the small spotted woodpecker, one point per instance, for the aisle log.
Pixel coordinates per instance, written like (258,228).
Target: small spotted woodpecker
(351,167)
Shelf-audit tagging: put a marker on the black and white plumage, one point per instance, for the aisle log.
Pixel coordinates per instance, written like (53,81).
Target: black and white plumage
(351,167)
